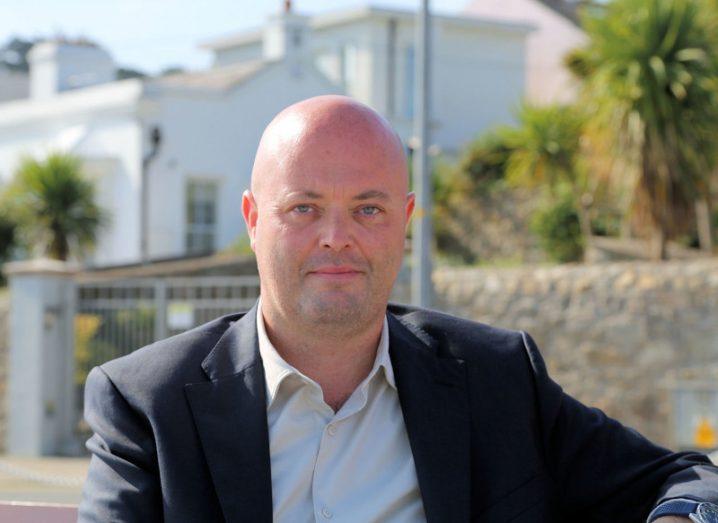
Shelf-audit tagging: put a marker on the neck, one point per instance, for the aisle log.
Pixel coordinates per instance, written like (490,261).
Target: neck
(337,361)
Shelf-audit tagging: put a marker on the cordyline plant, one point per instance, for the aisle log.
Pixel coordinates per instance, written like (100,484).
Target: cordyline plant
(55,205)
(650,76)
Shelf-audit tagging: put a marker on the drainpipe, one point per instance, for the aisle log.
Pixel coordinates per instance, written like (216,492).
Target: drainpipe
(155,141)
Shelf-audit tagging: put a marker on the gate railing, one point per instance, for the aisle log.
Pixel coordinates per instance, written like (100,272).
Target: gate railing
(113,318)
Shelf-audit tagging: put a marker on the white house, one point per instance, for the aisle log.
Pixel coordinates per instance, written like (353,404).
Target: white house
(209,123)
(556,33)
(478,74)
(13,84)
(184,144)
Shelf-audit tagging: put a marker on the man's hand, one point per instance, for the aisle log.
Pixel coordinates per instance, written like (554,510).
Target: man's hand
(671,519)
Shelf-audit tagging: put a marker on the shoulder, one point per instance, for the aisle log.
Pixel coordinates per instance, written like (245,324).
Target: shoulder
(172,361)
(461,338)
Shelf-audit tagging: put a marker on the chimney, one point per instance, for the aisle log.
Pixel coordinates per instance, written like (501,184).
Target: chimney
(286,38)
(60,65)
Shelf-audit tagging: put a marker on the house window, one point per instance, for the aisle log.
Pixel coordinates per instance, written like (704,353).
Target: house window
(201,217)
(349,59)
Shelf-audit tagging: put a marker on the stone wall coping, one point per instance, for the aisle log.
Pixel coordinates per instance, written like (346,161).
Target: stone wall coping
(599,268)
(40,267)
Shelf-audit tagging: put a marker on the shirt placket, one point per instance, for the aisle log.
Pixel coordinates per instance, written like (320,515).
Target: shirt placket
(330,451)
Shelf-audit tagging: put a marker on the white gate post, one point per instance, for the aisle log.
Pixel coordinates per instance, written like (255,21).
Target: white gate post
(41,395)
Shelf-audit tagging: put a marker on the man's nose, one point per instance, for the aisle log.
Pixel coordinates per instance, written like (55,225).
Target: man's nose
(336,232)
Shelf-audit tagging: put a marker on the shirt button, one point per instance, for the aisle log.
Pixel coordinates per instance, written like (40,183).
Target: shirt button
(326,513)
(332,430)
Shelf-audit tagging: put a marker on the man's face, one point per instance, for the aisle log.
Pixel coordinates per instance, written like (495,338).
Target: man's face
(328,228)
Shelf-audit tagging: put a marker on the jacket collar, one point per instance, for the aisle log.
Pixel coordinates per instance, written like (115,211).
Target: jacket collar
(229,411)
(434,402)
(230,414)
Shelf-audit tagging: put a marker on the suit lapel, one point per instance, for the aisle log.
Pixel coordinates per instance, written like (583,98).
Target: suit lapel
(433,397)
(230,414)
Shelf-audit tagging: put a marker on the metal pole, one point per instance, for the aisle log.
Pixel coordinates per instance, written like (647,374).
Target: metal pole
(421,286)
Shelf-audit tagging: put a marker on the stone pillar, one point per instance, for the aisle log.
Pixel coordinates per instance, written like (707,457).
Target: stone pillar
(41,392)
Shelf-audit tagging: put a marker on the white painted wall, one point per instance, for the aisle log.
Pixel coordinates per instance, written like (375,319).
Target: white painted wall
(235,55)
(61,66)
(477,81)
(109,139)
(547,79)
(478,77)
(13,85)
(215,138)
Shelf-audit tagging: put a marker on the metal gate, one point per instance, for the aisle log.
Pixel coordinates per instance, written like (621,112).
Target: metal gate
(113,318)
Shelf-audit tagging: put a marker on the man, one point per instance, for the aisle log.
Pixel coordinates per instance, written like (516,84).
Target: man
(320,404)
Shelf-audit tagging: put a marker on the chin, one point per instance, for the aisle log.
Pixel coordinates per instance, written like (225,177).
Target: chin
(339,308)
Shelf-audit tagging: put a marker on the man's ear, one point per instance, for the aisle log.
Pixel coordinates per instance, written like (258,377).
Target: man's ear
(410,202)
(249,211)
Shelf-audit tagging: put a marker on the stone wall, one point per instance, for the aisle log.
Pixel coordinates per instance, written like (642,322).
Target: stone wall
(617,336)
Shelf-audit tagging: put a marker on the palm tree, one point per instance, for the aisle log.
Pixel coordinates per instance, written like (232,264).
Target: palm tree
(56,205)
(651,80)
(546,150)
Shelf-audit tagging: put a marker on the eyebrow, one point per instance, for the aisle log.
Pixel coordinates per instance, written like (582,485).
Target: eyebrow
(372,194)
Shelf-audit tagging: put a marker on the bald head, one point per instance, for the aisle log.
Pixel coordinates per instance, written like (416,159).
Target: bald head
(327,217)
(330,127)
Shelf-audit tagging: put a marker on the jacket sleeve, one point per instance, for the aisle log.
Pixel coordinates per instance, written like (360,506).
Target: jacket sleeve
(122,482)
(603,470)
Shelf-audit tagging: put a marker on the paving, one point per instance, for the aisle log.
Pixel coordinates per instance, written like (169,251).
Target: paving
(51,480)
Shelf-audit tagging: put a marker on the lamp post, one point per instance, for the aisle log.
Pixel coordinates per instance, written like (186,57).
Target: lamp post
(421,285)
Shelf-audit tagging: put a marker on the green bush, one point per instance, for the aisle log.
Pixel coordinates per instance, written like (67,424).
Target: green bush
(557,227)
(606,222)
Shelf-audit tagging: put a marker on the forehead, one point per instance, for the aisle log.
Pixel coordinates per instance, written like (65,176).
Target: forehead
(330,181)
(342,151)
(339,165)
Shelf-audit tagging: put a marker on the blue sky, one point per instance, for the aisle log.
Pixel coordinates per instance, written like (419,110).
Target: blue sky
(153,34)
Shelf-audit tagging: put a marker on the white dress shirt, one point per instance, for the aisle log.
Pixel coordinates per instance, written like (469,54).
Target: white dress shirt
(354,465)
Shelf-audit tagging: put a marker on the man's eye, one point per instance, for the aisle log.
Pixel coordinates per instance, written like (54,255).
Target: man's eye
(302,209)
(369,210)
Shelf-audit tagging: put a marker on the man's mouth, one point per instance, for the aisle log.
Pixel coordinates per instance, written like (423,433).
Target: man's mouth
(335,272)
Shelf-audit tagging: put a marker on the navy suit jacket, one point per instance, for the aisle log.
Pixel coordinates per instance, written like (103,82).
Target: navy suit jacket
(180,432)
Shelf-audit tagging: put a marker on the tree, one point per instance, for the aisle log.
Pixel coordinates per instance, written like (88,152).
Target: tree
(546,150)
(55,205)
(650,75)
(13,54)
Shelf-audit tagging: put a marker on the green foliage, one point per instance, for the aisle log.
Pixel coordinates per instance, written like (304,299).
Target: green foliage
(651,81)
(8,240)
(241,245)
(123,73)
(13,54)
(459,187)
(545,147)
(55,205)
(557,227)
(96,339)
(484,162)
(606,222)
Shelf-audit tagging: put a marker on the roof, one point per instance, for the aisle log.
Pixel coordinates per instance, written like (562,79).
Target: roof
(202,265)
(111,96)
(347,16)
(566,8)
(216,78)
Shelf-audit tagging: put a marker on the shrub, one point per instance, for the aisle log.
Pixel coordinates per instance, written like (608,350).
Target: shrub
(557,227)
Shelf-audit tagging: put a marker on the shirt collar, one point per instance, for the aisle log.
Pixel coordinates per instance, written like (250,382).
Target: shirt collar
(276,369)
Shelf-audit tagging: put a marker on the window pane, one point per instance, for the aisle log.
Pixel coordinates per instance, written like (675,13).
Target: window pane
(201,216)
